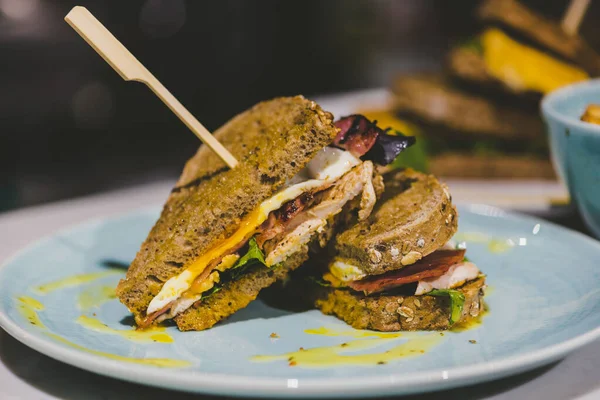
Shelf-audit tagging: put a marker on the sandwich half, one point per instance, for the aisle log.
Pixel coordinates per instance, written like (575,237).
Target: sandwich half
(225,234)
(396,270)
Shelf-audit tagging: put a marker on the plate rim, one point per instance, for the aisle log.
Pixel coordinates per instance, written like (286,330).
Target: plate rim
(226,384)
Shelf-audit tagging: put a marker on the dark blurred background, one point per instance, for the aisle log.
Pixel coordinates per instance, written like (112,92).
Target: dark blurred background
(69,125)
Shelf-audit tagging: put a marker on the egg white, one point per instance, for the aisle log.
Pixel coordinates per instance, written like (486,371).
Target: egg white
(327,166)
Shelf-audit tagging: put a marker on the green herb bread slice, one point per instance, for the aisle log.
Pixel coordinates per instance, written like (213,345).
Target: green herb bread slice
(272,142)
(414,218)
(399,313)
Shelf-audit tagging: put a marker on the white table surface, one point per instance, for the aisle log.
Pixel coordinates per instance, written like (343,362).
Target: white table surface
(27,374)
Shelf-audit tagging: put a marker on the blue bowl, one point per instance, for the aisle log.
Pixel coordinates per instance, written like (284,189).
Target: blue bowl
(575,146)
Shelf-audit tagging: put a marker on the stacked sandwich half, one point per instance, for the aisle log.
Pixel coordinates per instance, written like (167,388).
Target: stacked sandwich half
(398,269)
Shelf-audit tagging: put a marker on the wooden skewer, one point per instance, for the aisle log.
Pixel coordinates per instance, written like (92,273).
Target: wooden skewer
(574,15)
(131,69)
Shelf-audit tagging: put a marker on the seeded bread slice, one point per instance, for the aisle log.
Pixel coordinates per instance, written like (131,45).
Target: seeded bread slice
(398,313)
(272,141)
(414,218)
(545,33)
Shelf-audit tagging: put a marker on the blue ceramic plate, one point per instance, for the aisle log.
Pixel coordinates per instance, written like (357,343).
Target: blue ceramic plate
(544,301)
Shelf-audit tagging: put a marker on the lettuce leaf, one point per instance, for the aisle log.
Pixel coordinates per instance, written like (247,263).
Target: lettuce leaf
(457,301)
(212,291)
(318,281)
(254,255)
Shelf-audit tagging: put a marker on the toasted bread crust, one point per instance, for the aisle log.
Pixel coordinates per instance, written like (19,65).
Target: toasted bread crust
(272,142)
(414,218)
(398,313)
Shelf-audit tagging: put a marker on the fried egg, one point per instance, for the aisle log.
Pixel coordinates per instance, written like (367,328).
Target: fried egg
(326,167)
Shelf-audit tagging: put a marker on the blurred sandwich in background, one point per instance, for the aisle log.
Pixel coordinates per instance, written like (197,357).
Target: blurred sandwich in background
(480,117)
(521,52)
(467,135)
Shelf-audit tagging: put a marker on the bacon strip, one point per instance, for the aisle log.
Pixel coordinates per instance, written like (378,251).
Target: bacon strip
(278,220)
(365,139)
(146,322)
(435,264)
(357,134)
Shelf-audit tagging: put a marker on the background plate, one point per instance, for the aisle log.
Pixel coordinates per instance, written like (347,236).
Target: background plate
(544,299)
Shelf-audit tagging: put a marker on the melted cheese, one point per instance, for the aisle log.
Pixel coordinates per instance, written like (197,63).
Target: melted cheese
(174,288)
(207,284)
(523,67)
(195,292)
(345,272)
(335,282)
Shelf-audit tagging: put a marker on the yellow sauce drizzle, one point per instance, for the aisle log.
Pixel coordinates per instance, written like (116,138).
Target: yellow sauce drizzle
(73,281)
(28,307)
(498,246)
(473,237)
(155,334)
(95,297)
(157,362)
(523,67)
(331,356)
(324,331)
(495,246)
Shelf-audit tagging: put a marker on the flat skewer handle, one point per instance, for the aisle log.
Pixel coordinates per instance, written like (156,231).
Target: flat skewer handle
(574,15)
(130,69)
